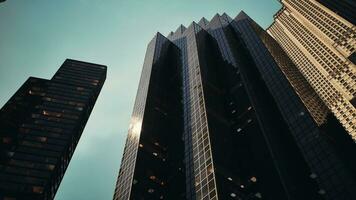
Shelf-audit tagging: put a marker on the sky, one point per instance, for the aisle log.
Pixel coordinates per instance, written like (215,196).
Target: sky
(37,36)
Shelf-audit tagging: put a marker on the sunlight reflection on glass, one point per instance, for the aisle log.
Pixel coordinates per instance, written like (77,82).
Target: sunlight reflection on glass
(135,126)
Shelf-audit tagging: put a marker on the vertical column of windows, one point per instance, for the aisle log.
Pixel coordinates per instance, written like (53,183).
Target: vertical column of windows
(204,180)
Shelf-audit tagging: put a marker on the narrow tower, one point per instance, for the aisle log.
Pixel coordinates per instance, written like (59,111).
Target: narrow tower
(40,127)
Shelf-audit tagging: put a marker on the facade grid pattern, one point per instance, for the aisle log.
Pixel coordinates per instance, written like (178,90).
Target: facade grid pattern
(321,42)
(196,127)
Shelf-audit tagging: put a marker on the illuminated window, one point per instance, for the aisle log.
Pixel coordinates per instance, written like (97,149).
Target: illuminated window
(313,176)
(253,179)
(79,108)
(258,195)
(210,169)
(37,189)
(50,167)
(42,139)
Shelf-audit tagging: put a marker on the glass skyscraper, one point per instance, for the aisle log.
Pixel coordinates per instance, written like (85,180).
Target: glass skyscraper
(40,127)
(223,113)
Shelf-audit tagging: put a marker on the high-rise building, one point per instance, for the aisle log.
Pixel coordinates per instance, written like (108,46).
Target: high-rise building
(40,127)
(319,37)
(223,113)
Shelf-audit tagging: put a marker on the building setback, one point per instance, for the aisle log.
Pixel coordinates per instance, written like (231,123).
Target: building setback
(223,113)
(322,44)
(40,127)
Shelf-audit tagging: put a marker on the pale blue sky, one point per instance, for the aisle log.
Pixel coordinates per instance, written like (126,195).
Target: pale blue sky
(36,36)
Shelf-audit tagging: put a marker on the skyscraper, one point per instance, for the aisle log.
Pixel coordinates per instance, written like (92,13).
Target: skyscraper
(322,45)
(40,127)
(223,113)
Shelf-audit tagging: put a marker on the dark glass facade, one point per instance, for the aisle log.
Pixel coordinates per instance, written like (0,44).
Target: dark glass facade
(243,131)
(40,127)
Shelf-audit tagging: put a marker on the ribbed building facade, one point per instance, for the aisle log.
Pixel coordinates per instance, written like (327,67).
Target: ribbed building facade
(222,112)
(322,43)
(40,127)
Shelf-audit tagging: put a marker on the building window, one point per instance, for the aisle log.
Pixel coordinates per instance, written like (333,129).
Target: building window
(37,189)
(258,195)
(352,58)
(353,101)
(253,179)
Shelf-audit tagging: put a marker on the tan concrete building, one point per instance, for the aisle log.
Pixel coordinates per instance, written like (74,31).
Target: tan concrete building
(322,45)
